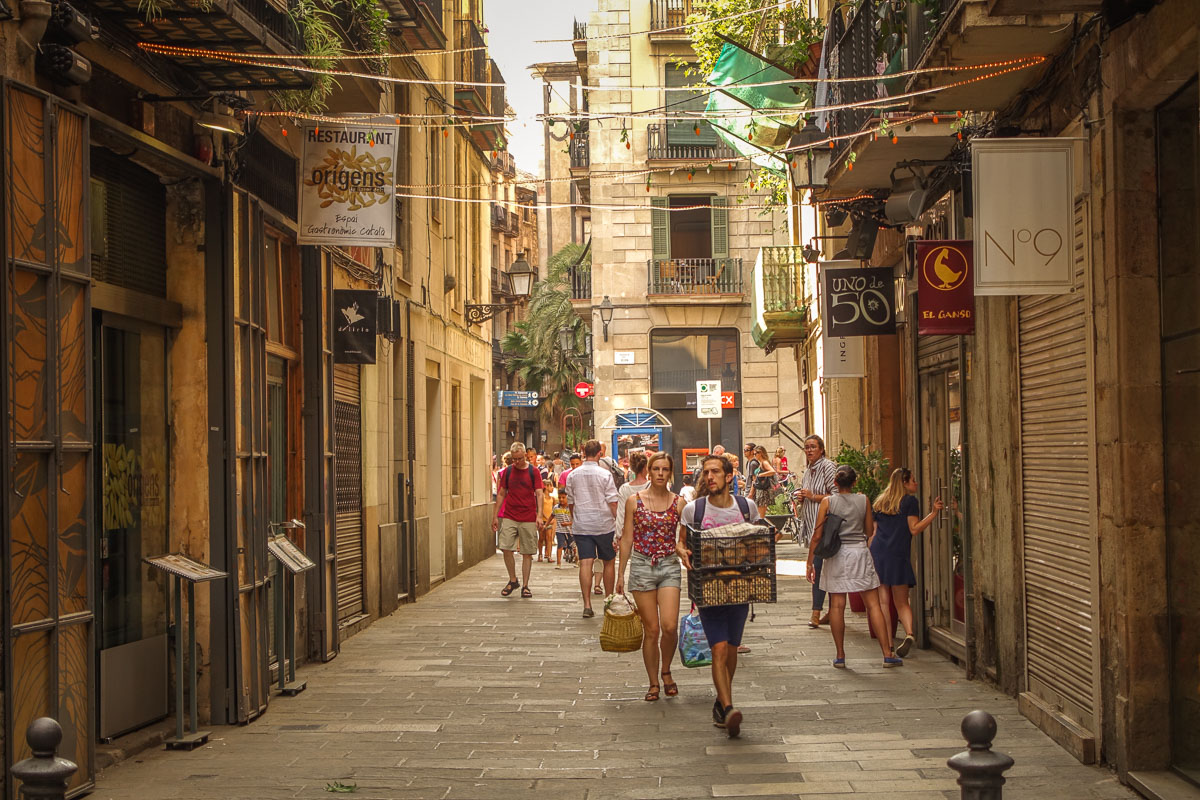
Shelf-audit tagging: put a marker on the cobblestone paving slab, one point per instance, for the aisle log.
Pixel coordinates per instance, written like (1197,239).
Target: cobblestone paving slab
(467,695)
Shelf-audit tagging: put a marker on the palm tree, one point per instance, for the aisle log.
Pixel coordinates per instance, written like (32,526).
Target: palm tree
(534,353)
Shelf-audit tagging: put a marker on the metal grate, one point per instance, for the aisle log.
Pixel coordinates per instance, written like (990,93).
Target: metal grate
(270,174)
(129,225)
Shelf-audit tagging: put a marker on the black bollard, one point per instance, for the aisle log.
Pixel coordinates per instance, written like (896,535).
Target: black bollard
(980,771)
(43,775)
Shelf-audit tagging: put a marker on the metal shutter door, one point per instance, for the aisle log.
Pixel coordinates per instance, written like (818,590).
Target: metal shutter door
(1058,491)
(347,449)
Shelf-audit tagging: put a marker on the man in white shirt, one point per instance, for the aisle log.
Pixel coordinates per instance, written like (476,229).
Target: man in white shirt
(723,625)
(592,495)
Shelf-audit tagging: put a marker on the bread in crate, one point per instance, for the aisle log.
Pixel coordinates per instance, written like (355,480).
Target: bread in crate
(738,545)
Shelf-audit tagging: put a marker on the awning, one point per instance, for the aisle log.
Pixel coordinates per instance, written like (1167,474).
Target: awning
(777,109)
(636,417)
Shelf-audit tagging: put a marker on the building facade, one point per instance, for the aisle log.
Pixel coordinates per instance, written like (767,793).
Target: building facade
(171,368)
(672,252)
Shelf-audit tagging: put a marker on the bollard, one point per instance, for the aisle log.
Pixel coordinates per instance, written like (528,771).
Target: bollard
(43,775)
(980,770)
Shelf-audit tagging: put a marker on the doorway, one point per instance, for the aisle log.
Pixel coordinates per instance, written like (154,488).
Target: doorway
(433,478)
(1179,282)
(941,475)
(131,420)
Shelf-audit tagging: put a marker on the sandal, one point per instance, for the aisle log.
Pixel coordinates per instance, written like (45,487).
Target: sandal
(651,694)
(670,686)
(526,593)
(508,588)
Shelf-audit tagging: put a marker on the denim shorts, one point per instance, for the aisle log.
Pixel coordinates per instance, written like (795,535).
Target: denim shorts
(647,577)
(564,539)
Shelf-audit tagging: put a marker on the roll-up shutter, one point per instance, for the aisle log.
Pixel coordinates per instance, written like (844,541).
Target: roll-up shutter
(347,449)
(1058,491)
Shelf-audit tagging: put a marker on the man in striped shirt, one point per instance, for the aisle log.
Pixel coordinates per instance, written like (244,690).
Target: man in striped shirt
(815,485)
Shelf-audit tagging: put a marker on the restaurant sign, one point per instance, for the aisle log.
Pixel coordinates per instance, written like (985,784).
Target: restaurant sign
(945,288)
(348,186)
(859,301)
(354,326)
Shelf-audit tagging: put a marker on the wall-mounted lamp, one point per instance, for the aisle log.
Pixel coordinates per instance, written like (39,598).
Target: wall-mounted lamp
(520,279)
(606,308)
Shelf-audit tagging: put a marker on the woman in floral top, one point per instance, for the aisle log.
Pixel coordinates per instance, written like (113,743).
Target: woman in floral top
(648,546)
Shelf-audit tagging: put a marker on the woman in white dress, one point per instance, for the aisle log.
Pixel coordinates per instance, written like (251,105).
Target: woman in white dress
(851,569)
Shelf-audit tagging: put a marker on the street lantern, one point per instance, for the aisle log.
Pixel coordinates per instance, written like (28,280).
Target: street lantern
(809,162)
(566,340)
(606,314)
(520,276)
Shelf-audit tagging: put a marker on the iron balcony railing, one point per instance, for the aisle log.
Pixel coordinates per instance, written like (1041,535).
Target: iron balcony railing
(472,60)
(667,15)
(694,276)
(579,30)
(513,223)
(783,279)
(581,155)
(499,217)
(435,8)
(580,279)
(499,101)
(855,57)
(660,147)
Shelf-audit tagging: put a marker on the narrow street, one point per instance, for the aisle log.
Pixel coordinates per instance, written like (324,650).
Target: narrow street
(469,695)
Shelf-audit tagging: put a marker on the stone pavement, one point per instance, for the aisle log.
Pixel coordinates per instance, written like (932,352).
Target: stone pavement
(465,695)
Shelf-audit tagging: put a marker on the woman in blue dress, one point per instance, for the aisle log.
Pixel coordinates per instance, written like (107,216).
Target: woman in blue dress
(897,521)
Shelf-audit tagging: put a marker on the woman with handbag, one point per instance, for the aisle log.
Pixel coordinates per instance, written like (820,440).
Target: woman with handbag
(649,547)
(843,531)
(762,482)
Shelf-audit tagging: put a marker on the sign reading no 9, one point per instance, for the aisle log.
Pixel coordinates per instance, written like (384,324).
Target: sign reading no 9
(859,301)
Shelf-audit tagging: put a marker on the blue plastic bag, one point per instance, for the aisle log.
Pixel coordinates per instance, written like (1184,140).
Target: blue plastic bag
(693,644)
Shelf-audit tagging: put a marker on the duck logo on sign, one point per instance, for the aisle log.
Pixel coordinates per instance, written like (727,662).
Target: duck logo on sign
(945,268)
(945,288)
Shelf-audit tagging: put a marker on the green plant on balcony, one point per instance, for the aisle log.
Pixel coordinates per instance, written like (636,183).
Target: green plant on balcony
(783,35)
(368,32)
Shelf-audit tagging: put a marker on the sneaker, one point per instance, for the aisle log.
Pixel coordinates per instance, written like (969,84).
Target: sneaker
(718,714)
(893,662)
(905,646)
(733,722)
(839,663)
(587,613)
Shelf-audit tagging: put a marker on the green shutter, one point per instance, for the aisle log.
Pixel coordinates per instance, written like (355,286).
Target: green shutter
(720,227)
(660,228)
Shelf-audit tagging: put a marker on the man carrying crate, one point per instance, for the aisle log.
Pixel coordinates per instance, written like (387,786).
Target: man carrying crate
(723,625)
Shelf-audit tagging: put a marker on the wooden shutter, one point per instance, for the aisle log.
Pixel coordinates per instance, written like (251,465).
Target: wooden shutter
(1058,492)
(720,227)
(660,228)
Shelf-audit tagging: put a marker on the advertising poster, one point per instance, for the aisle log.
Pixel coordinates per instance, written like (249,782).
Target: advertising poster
(945,288)
(354,325)
(859,301)
(348,186)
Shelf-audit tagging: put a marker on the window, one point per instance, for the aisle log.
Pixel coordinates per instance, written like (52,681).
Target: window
(456,443)
(683,132)
(433,163)
(700,230)
(403,173)
(281,268)
(476,249)
(679,358)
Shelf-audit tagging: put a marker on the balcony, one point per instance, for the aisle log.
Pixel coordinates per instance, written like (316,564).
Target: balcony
(779,297)
(512,225)
(417,22)
(499,217)
(667,17)
(579,43)
(670,142)
(581,156)
(486,135)
(471,67)
(580,279)
(694,276)
(974,32)
(497,353)
(246,26)
(505,163)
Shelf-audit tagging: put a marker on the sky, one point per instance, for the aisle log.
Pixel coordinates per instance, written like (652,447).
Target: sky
(513,25)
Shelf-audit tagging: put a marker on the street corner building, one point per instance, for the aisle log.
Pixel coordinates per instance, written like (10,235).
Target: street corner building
(1036,365)
(223,330)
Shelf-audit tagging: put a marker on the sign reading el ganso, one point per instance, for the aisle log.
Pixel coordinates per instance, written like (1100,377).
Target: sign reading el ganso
(348,186)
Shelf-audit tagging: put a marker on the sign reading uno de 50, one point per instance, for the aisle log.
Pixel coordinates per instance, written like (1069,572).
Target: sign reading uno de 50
(859,301)
(348,186)
(1024,213)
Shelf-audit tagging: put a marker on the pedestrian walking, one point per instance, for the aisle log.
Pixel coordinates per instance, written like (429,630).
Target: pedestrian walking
(851,568)
(518,516)
(897,520)
(816,484)
(573,461)
(761,479)
(738,486)
(723,625)
(781,464)
(592,498)
(688,492)
(562,526)
(639,462)
(649,547)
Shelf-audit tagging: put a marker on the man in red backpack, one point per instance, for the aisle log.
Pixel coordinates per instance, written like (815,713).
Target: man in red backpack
(518,517)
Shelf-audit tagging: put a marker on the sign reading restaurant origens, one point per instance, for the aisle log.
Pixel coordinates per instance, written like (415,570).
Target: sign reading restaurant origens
(1024,194)
(348,186)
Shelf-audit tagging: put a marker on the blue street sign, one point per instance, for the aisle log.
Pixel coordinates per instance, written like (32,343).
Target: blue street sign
(517,399)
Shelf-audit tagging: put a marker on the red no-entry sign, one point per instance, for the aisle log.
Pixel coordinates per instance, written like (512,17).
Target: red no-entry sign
(584,390)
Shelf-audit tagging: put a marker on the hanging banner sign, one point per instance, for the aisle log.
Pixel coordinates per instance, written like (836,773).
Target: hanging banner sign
(859,301)
(354,325)
(1024,199)
(348,186)
(842,357)
(945,288)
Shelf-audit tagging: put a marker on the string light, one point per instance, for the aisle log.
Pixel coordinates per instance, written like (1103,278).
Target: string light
(349,55)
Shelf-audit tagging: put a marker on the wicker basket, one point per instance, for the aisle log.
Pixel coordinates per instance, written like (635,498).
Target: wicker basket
(620,633)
